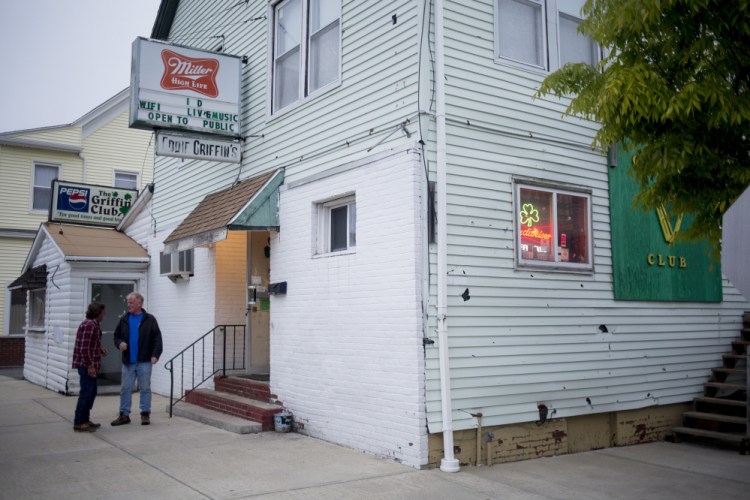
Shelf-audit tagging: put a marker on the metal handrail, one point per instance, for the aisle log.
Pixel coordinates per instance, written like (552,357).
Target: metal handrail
(200,371)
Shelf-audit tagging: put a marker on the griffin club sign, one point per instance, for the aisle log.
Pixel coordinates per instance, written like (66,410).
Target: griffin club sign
(180,88)
(89,204)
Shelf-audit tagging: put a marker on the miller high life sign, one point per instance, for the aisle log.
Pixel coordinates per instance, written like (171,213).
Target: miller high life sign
(180,88)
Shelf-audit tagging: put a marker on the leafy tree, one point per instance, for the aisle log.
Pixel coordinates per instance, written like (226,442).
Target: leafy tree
(674,85)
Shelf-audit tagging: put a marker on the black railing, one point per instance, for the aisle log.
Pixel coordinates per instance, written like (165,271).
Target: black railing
(227,351)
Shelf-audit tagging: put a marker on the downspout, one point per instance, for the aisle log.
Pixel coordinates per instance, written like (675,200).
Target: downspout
(448,463)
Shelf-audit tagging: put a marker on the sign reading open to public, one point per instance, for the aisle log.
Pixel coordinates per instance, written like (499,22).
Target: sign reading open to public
(89,204)
(181,88)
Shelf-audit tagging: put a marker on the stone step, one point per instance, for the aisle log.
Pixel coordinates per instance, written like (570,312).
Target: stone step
(216,419)
(714,417)
(239,406)
(721,436)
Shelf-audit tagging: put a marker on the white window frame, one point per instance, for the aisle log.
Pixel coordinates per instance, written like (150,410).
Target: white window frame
(33,313)
(550,26)
(324,210)
(304,94)
(126,172)
(557,264)
(34,185)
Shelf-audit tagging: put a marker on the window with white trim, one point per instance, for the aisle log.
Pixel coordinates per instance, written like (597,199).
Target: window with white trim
(37,308)
(126,180)
(524,36)
(306,49)
(44,174)
(337,225)
(554,227)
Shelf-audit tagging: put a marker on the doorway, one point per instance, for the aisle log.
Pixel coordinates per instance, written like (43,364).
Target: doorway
(113,295)
(258,302)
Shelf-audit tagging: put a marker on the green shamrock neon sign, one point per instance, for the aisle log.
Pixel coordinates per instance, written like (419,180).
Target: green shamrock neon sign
(529,214)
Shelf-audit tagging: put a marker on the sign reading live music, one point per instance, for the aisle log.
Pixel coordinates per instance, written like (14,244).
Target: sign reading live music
(89,204)
(180,88)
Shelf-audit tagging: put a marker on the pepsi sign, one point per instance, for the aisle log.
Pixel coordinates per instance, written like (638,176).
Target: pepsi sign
(89,204)
(71,198)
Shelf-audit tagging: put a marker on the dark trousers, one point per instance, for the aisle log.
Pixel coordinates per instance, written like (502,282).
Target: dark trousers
(86,397)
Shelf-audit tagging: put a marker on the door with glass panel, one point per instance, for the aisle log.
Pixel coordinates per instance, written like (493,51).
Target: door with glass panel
(113,296)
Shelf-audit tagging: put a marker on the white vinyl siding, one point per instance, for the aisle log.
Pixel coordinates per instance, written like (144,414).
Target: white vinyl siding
(527,336)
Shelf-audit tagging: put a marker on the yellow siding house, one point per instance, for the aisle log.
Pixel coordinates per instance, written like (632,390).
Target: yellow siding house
(98,148)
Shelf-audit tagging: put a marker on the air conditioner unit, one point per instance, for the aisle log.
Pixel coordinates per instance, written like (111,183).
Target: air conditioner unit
(176,265)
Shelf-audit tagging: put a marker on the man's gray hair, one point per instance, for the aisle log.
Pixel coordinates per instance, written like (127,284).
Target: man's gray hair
(136,295)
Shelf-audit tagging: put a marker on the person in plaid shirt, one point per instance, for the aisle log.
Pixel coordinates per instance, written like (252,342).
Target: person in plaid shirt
(87,358)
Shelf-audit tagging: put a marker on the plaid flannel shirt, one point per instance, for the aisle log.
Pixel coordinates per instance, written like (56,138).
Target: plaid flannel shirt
(88,347)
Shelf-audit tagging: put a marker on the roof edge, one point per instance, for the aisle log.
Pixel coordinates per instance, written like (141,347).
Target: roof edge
(164,19)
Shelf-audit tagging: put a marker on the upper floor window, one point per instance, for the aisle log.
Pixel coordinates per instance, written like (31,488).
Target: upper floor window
(524,35)
(554,228)
(126,180)
(42,190)
(306,48)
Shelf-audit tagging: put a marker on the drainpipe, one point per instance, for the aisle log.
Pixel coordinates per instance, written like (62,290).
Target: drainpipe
(448,463)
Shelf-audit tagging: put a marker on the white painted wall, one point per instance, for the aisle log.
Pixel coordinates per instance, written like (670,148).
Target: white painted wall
(346,340)
(736,244)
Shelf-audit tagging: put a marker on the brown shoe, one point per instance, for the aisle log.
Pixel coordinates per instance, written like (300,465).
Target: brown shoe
(94,425)
(121,419)
(145,418)
(84,427)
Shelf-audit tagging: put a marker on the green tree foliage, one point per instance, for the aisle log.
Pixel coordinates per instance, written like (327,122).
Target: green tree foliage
(675,84)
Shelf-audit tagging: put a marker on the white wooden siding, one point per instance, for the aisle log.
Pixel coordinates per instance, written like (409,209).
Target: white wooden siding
(377,92)
(529,336)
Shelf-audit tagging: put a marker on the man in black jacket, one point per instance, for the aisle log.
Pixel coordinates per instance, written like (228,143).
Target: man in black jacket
(138,337)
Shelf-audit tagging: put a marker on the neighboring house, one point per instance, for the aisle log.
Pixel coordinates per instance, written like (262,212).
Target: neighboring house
(99,149)
(736,243)
(447,255)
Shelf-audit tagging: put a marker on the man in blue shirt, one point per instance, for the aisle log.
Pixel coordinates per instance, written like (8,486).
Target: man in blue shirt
(138,337)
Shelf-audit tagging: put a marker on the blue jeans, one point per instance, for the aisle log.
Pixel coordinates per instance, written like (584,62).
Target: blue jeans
(142,371)
(85,398)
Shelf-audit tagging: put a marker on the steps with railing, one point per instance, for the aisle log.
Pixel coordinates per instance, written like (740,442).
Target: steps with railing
(225,347)
(723,412)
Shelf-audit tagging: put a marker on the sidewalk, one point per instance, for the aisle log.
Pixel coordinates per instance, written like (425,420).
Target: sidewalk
(41,457)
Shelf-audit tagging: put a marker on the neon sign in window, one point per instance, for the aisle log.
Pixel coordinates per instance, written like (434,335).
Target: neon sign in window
(554,228)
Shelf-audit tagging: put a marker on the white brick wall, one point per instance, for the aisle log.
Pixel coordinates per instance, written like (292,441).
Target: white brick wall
(346,341)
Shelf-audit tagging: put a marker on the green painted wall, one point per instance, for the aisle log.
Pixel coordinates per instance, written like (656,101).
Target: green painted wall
(646,265)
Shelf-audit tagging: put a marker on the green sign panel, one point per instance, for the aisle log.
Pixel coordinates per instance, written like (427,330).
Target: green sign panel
(648,265)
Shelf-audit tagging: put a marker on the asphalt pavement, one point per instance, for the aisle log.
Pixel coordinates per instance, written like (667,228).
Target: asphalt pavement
(176,458)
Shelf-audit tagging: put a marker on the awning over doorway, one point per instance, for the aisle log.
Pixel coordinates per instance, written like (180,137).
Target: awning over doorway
(32,279)
(252,204)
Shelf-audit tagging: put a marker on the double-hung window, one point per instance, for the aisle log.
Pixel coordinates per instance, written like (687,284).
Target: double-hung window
(554,227)
(542,34)
(337,225)
(42,189)
(126,180)
(306,49)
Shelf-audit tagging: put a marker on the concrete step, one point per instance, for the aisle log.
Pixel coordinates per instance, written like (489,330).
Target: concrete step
(239,406)
(216,419)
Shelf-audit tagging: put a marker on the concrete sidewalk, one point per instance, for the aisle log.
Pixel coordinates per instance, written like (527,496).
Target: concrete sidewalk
(41,457)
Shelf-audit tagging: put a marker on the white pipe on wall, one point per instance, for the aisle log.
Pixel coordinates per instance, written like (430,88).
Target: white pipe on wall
(448,463)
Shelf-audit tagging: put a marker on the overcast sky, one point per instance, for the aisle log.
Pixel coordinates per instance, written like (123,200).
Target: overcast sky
(59,59)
